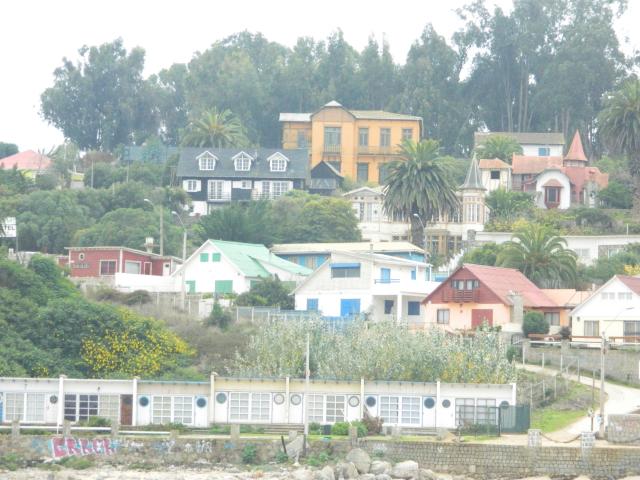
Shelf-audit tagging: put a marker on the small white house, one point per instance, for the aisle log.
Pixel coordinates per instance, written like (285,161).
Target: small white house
(613,310)
(385,287)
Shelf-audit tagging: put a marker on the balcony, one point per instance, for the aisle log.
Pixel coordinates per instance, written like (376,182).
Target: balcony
(370,150)
(460,296)
(386,280)
(332,149)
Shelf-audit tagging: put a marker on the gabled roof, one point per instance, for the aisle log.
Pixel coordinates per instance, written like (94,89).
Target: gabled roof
(567,297)
(525,164)
(576,152)
(358,114)
(523,138)
(126,249)
(27,160)
(379,190)
(311,248)
(493,163)
(502,282)
(633,283)
(474,179)
(297,166)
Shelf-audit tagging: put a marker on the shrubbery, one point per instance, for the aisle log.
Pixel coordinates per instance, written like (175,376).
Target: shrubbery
(534,322)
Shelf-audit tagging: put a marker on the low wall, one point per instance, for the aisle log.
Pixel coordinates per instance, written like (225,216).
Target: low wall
(624,429)
(475,460)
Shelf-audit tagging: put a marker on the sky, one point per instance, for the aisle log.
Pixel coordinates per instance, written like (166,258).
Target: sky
(36,35)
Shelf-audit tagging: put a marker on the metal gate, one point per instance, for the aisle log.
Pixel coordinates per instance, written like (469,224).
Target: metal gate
(514,418)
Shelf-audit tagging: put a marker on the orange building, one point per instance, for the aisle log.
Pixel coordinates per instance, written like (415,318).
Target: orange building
(357,143)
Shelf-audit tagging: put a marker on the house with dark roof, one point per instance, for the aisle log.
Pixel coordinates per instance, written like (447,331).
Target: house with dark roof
(477,294)
(613,311)
(213,176)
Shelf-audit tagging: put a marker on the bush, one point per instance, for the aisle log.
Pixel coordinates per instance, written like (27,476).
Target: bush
(361,427)
(315,428)
(219,316)
(137,297)
(534,322)
(220,430)
(340,428)
(97,422)
(77,463)
(565,332)
(320,459)
(512,352)
(281,457)
(373,424)
(249,454)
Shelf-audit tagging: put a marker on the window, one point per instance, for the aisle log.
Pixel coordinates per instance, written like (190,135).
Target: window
(465,284)
(242,162)
(191,286)
(70,407)
(624,295)
(183,410)
(385,137)
(312,304)
(35,407)
(413,274)
(553,318)
(224,286)
(346,270)
(608,295)
(332,139)
(544,151)
(383,173)
(191,185)
(591,328)
(632,329)
(87,406)
(552,194)
(389,409)
(260,406)
(302,140)
(132,267)
(238,406)
(204,257)
(279,188)
(335,408)
(161,410)
(14,406)
(362,174)
(277,162)
(107,267)
(495,174)
(465,411)
(486,412)
(443,316)
(363,137)
(410,410)
(207,161)
(109,407)
(413,308)
(407,134)
(215,190)
(388,307)
(315,404)
(215,257)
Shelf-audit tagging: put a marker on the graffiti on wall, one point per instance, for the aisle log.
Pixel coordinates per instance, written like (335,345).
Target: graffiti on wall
(61,447)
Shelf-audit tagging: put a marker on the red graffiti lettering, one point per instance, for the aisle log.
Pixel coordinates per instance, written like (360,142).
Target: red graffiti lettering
(58,447)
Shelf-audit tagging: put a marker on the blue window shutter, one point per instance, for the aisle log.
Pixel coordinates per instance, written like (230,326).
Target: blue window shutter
(413,274)
(413,308)
(312,304)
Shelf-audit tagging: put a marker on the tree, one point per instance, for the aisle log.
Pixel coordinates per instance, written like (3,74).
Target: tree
(499,146)
(248,222)
(486,254)
(268,292)
(8,149)
(619,124)
(541,256)
(616,195)
(508,205)
(534,322)
(214,129)
(419,185)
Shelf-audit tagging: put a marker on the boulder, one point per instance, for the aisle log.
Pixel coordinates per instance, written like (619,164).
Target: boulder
(426,474)
(367,476)
(328,473)
(360,459)
(295,447)
(347,470)
(408,469)
(378,467)
(302,474)
(383,476)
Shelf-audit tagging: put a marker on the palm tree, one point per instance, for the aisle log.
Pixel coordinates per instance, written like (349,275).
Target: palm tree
(541,256)
(619,125)
(419,186)
(499,146)
(214,129)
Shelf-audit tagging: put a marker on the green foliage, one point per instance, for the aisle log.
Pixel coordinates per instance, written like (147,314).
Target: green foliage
(8,149)
(499,146)
(249,454)
(340,428)
(219,316)
(512,353)
(76,463)
(315,428)
(606,267)
(361,427)
(372,424)
(594,217)
(97,422)
(507,205)
(281,457)
(616,195)
(534,322)
(267,292)
(11,462)
(214,129)
(486,254)
(249,222)
(319,460)
(375,351)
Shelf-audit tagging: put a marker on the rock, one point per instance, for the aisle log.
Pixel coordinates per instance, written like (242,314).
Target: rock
(383,476)
(302,474)
(367,476)
(360,459)
(426,474)
(379,467)
(295,447)
(328,473)
(347,470)
(408,469)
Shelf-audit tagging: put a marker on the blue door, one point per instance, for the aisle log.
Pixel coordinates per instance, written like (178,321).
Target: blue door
(349,307)
(385,275)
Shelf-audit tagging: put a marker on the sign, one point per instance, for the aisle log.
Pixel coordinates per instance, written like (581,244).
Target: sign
(8,228)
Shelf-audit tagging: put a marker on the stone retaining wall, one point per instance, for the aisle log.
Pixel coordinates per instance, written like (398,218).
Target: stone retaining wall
(624,429)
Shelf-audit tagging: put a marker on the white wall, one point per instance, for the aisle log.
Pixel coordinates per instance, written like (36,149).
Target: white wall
(206,274)
(565,192)
(199,208)
(532,150)
(128,282)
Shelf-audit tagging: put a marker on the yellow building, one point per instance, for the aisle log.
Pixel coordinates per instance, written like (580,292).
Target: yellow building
(358,143)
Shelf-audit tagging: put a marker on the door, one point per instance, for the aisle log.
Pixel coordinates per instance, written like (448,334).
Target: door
(349,307)
(385,275)
(147,268)
(126,409)
(480,316)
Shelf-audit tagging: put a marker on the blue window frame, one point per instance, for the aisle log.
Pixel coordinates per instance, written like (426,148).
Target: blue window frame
(349,307)
(312,304)
(413,274)
(345,270)
(413,308)
(385,275)
(544,151)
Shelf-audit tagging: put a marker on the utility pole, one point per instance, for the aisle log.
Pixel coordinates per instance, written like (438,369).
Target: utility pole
(603,347)
(306,392)
(184,259)
(161,231)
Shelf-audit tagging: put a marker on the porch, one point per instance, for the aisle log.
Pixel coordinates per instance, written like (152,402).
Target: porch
(404,308)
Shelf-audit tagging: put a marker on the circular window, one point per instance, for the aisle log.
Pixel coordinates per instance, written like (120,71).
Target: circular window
(296,399)
(144,401)
(429,402)
(446,403)
(278,399)
(221,397)
(201,402)
(354,401)
(53,399)
(81,256)
(370,401)
(504,404)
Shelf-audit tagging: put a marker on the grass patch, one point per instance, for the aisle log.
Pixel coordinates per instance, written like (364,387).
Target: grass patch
(76,463)
(565,410)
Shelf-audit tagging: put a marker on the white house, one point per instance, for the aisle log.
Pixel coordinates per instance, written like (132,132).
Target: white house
(382,286)
(613,310)
(539,144)
(553,189)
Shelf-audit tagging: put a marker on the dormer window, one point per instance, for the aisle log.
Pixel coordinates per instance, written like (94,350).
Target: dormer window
(207,161)
(242,162)
(278,162)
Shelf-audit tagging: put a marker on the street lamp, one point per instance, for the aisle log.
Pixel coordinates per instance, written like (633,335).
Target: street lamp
(603,345)
(184,257)
(161,225)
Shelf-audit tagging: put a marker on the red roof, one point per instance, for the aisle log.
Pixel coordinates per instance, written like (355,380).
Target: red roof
(523,164)
(632,282)
(27,160)
(494,163)
(576,152)
(581,175)
(504,281)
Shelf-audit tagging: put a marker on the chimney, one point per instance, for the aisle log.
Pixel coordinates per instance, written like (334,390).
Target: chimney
(517,307)
(148,244)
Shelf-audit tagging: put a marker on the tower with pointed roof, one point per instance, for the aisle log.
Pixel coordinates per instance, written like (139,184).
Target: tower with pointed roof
(472,194)
(575,157)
